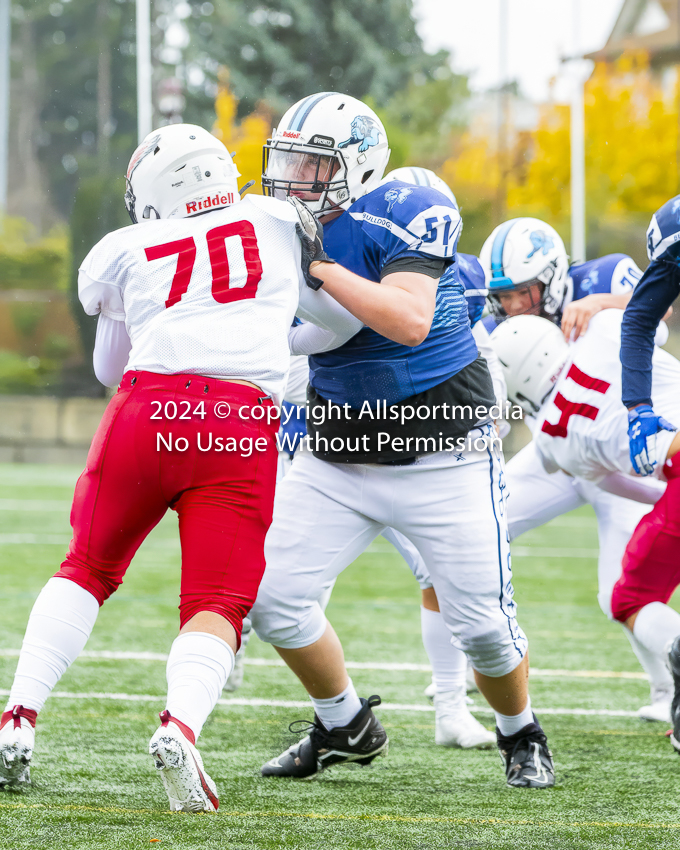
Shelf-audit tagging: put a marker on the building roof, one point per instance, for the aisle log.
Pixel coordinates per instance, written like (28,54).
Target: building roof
(649,25)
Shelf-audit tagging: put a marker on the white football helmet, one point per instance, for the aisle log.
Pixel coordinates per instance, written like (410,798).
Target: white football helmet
(421,177)
(328,145)
(532,352)
(179,171)
(523,252)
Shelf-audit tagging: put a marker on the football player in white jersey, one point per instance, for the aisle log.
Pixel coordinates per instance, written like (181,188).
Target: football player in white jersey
(527,273)
(580,434)
(364,474)
(195,302)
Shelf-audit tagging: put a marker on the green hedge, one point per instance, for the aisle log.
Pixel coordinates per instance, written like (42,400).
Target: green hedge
(24,375)
(30,263)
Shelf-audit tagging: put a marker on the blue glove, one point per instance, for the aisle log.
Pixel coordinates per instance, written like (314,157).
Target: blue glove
(643,426)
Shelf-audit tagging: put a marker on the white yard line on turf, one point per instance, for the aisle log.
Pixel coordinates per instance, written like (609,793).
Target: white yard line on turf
(23,539)
(537,552)
(34,539)
(289,703)
(387,666)
(21,505)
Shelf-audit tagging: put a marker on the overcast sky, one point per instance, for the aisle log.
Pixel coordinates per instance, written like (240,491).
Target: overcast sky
(539,33)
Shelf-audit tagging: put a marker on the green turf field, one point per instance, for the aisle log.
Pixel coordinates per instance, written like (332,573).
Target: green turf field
(94,785)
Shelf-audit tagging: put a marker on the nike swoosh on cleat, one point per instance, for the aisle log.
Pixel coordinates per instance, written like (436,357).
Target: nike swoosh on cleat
(352,741)
(541,775)
(206,788)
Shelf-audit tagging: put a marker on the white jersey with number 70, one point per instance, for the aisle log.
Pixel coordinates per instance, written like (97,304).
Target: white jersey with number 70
(213,295)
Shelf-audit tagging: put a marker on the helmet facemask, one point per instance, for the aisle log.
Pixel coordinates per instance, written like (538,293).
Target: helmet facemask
(543,305)
(303,171)
(537,293)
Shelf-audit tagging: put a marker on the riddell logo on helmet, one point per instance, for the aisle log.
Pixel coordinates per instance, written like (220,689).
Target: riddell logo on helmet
(216,201)
(288,135)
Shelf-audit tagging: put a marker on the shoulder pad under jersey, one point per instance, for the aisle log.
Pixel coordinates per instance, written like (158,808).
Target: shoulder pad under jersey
(613,274)
(273,206)
(663,233)
(403,218)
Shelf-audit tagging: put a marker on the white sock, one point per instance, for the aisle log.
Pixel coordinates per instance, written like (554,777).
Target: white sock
(654,665)
(60,624)
(198,667)
(339,710)
(512,724)
(448,663)
(656,626)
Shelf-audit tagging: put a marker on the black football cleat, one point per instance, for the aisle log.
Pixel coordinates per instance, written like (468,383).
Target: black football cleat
(674,667)
(359,742)
(527,760)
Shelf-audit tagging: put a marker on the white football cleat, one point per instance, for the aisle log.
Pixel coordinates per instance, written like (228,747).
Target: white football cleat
(188,786)
(17,739)
(660,707)
(456,727)
(431,690)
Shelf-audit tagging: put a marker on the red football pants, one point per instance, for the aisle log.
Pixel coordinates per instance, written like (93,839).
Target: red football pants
(651,563)
(223,499)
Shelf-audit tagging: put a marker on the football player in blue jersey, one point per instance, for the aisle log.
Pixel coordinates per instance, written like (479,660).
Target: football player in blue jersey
(387,249)
(650,569)
(658,289)
(527,272)
(454,724)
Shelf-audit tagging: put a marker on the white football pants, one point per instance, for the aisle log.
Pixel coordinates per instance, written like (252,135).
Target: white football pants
(535,497)
(451,506)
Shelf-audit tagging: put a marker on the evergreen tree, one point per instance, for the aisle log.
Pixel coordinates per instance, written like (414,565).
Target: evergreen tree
(73,128)
(73,98)
(281,50)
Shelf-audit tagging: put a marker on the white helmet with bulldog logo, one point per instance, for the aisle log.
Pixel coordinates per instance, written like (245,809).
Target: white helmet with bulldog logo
(420,176)
(329,149)
(179,171)
(524,252)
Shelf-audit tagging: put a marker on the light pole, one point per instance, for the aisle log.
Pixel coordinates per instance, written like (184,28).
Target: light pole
(5,30)
(503,110)
(144,69)
(578,148)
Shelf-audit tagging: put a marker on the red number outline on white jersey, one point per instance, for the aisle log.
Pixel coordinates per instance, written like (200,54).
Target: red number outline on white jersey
(572,408)
(219,262)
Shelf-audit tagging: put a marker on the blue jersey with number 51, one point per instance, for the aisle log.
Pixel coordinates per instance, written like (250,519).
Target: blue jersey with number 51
(393,222)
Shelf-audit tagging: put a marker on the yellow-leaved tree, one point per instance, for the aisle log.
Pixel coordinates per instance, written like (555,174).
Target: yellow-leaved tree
(631,146)
(242,138)
(632,141)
